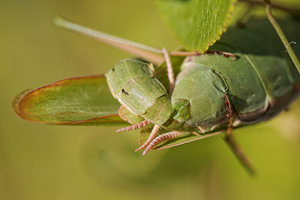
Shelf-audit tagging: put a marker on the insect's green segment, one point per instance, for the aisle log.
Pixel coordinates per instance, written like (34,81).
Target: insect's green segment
(128,116)
(133,83)
(261,82)
(197,99)
(200,90)
(124,71)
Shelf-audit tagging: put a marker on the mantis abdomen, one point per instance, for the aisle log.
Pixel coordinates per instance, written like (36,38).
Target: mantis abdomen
(262,81)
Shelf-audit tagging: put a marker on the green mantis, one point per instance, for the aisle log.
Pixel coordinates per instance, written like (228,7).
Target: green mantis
(207,94)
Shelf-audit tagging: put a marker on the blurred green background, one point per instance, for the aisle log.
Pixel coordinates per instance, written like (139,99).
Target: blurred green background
(59,162)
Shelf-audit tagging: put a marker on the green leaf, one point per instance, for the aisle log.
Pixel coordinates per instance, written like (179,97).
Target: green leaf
(197,23)
(73,101)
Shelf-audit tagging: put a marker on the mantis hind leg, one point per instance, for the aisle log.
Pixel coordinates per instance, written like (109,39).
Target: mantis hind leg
(134,126)
(150,138)
(161,138)
(232,142)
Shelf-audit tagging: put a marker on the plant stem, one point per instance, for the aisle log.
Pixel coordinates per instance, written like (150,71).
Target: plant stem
(281,34)
(149,53)
(277,6)
(239,154)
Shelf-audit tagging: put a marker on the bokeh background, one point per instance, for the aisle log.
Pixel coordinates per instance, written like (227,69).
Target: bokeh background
(41,162)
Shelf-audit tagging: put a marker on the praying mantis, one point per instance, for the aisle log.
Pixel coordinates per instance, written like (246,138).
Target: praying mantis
(178,97)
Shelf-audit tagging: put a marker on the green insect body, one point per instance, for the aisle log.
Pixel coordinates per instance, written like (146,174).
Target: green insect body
(211,92)
(258,87)
(199,101)
(185,110)
(133,83)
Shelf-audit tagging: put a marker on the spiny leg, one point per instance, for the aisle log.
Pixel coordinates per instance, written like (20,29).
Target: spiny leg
(223,53)
(228,115)
(171,88)
(150,138)
(231,141)
(170,71)
(162,137)
(134,126)
(201,129)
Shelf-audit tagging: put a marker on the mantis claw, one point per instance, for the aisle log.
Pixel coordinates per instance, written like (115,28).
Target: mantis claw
(134,126)
(161,138)
(150,138)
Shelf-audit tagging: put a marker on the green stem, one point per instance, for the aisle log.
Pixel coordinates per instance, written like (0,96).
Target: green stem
(149,53)
(281,34)
(239,154)
(277,6)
